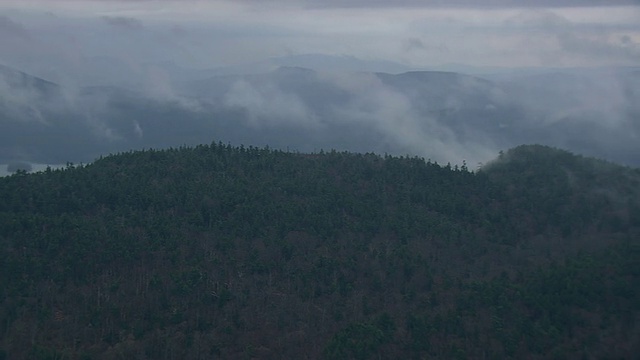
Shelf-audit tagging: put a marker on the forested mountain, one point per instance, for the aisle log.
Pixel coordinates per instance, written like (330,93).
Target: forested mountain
(217,251)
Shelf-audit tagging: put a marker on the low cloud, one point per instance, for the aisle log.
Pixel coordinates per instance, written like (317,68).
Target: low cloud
(416,44)
(396,118)
(159,87)
(123,22)
(21,97)
(578,40)
(267,106)
(355,111)
(600,47)
(10,28)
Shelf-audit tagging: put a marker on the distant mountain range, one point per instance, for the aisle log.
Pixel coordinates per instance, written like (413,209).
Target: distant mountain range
(446,116)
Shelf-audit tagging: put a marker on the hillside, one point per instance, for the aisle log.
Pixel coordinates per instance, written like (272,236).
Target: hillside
(217,251)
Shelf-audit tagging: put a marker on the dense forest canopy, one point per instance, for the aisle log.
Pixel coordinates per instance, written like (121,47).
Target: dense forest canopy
(242,252)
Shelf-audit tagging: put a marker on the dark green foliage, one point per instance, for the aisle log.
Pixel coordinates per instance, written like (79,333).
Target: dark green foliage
(356,341)
(225,252)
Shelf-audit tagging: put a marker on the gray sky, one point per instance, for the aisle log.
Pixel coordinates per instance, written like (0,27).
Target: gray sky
(56,38)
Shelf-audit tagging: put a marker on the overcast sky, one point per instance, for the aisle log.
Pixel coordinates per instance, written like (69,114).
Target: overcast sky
(55,37)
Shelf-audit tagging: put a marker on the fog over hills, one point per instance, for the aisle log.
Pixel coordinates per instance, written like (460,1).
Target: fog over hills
(445,116)
(304,179)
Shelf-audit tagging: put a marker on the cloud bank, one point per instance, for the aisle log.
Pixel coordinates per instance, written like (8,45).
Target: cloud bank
(156,73)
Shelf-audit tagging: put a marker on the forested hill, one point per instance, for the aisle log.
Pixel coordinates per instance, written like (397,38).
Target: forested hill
(224,252)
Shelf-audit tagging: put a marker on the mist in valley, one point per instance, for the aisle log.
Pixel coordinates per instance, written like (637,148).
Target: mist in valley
(109,76)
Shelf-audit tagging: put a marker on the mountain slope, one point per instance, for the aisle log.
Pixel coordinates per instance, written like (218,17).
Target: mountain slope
(218,251)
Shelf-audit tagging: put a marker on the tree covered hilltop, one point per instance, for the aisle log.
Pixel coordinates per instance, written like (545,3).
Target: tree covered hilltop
(217,251)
